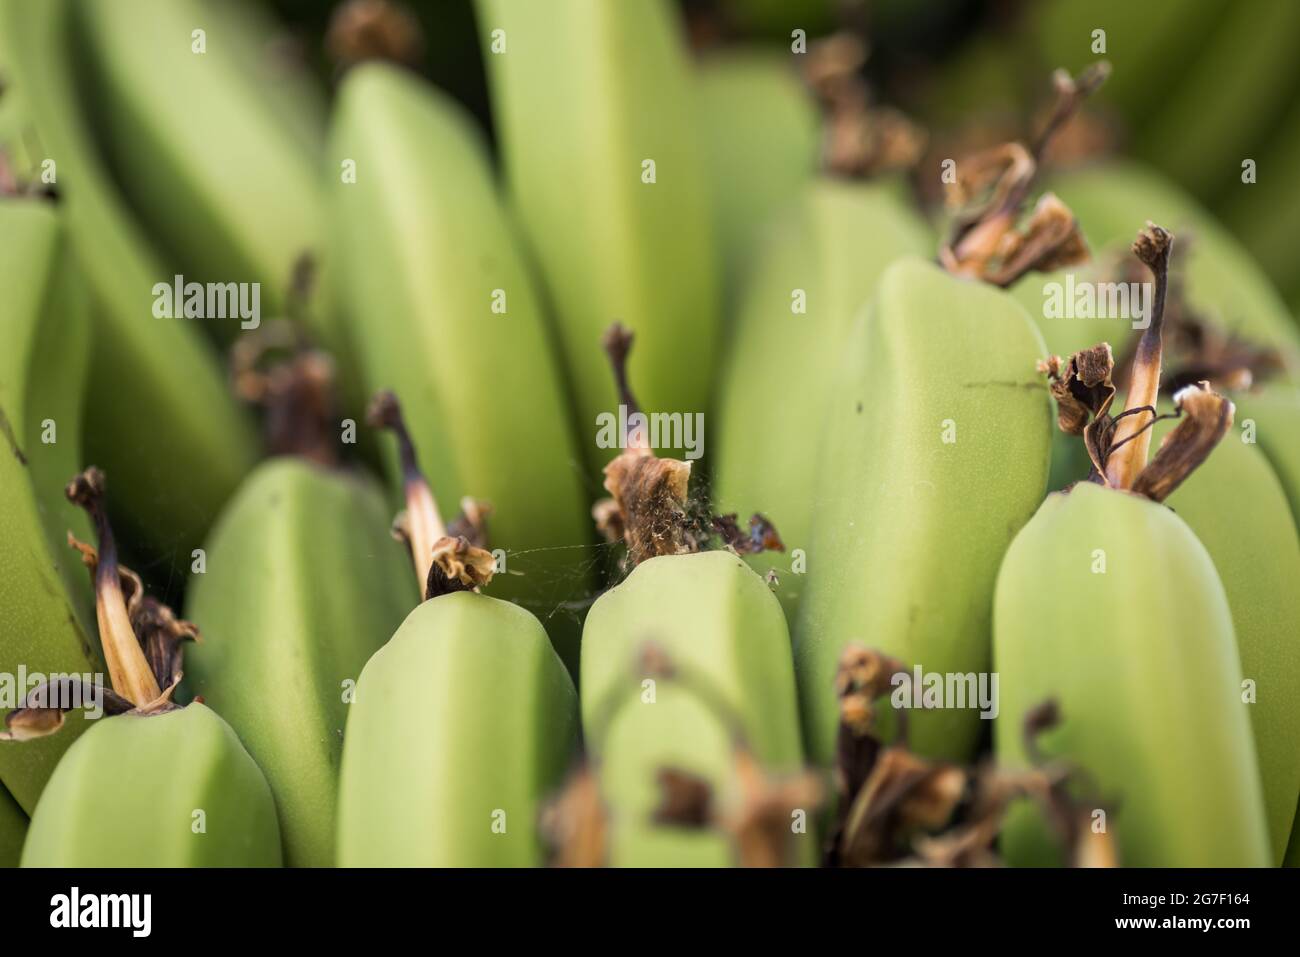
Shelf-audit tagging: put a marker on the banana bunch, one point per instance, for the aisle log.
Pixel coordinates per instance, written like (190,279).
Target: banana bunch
(302,584)
(818,264)
(45,606)
(760,131)
(231,190)
(1149,678)
(13,829)
(935,452)
(150,784)
(686,673)
(173,476)
(443,310)
(462,722)
(1237,508)
(601,94)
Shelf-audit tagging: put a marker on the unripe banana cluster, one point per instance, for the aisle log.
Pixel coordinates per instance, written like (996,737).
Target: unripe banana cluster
(957,582)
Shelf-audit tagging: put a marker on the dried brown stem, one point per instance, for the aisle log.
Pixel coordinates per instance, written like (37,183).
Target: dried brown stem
(1152,247)
(128,668)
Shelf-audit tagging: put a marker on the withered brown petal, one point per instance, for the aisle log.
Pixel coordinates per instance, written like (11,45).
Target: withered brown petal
(42,712)
(651,495)
(458,566)
(575,822)
(685,799)
(1207,416)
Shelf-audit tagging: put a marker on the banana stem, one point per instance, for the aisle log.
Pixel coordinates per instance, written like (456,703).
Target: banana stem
(424,524)
(1132,439)
(617,342)
(128,669)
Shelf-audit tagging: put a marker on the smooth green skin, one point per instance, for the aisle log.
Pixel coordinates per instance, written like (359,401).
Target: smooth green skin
(13,829)
(761,134)
(1275,412)
(716,619)
(909,530)
(44,592)
(834,246)
(1292,858)
(466,711)
(423,241)
(1227,100)
(303,584)
(1236,507)
(230,189)
(170,478)
(1265,213)
(1143,663)
(587,91)
(125,796)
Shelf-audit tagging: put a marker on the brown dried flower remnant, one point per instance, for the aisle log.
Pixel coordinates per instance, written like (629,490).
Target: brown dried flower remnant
(458,566)
(859,140)
(374,30)
(1118,445)
(990,192)
(575,823)
(761,537)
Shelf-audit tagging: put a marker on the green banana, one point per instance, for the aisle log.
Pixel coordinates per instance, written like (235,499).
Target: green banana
(232,189)
(1148,679)
(130,791)
(461,723)
(13,828)
(601,94)
(44,602)
(761,134)
(715,618)
(1236,507)
(831,251)
(303,583)
(706,628)
(420,278)
(1273,415)
(150,784)
(1292,858)
(935,452)
(174,475)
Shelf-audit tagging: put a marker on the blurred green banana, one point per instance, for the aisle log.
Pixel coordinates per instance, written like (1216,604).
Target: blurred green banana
(426,254)
(1265,213)
(173,474)
(1236,507)
(302,584)
(150,784)
(1226,99)
(13,828)
(1272,414)
(761,134)
(461,723)
(819,264)
(44,601)
(716,620)
(600,96)
(231,189)
(935,452)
